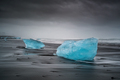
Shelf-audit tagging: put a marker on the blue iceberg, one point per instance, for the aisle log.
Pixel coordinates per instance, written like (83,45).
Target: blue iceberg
(33,44)
(78,50)
(5,38)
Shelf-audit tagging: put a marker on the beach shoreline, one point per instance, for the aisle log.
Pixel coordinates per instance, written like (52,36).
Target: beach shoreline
(18,63)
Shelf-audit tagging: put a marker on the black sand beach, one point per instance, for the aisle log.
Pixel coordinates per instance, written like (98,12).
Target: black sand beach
(18,63)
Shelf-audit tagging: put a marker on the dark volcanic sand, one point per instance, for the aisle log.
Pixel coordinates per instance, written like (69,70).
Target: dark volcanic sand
(18,63)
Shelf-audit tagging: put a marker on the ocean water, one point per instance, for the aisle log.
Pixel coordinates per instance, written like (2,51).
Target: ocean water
(109,41)
(101,42)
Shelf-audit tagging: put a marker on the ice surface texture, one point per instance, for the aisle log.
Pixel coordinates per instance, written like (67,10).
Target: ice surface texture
(78,50)
(33,44)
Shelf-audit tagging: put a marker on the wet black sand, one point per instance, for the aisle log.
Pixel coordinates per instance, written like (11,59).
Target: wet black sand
(18,63)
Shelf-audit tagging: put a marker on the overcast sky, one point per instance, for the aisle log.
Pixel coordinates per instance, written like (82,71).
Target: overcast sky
(60,19)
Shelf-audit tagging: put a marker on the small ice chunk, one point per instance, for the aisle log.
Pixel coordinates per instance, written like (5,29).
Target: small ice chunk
(85,49)
(33,44)
(5,38)
(17,37)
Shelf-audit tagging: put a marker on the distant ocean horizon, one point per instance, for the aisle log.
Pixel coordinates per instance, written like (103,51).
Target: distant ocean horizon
(114,41)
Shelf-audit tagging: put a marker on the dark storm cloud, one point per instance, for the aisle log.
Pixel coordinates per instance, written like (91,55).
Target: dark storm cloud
(73,18)
(81,7)
(91,11)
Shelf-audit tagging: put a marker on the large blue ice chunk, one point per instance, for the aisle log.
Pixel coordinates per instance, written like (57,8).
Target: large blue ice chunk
(33,44)
(85,49)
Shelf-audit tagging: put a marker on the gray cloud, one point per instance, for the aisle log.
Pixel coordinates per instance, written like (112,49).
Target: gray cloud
(68,8)
(91,15)
(91,11)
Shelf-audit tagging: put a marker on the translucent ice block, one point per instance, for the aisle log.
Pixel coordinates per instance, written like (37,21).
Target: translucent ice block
(33,44)
(78,50)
